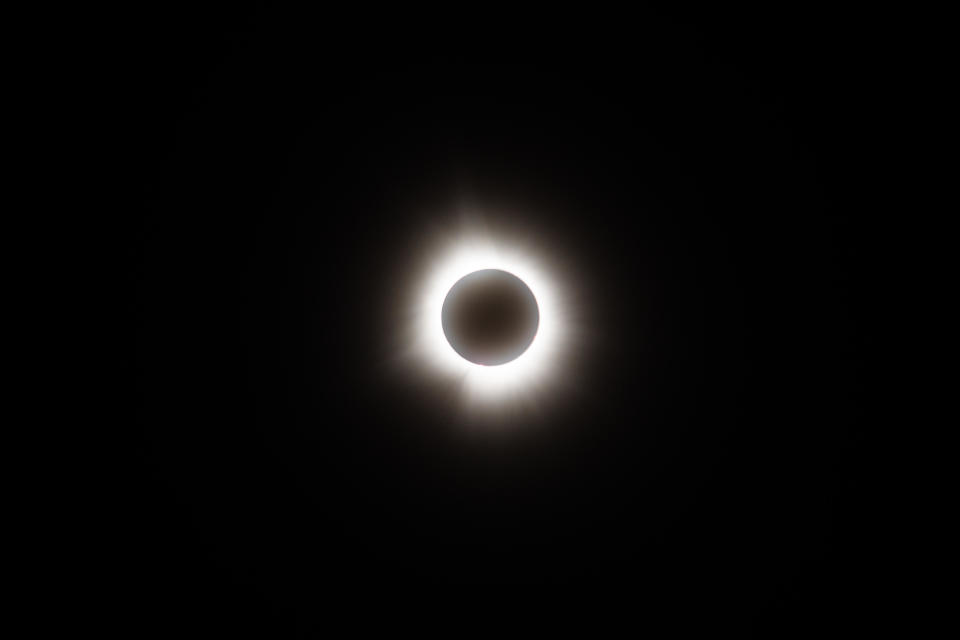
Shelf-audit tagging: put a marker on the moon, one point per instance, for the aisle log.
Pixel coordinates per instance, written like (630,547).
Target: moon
(490,317)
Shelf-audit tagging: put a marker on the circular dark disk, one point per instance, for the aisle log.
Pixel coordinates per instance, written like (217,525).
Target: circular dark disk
(490,317)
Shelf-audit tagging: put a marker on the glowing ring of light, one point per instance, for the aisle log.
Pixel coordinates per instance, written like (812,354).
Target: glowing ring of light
(535,369)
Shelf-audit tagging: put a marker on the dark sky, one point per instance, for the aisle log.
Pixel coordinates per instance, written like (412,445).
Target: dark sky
(702,173)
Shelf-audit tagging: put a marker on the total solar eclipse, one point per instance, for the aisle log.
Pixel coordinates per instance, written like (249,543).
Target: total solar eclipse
(490,317)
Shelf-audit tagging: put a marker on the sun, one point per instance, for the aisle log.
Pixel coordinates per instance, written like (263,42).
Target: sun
(524,381)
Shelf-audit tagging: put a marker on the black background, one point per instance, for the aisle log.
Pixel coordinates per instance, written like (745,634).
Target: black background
(706,177)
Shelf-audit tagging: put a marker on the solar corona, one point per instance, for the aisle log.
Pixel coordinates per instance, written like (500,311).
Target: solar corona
(488,313)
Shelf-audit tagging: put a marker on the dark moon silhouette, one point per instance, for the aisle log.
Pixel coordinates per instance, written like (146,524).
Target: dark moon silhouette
(490,317)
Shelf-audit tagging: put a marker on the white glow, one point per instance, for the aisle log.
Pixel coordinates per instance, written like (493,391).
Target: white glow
(521,381)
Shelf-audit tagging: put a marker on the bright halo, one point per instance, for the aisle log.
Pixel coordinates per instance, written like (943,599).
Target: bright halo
(520,381)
